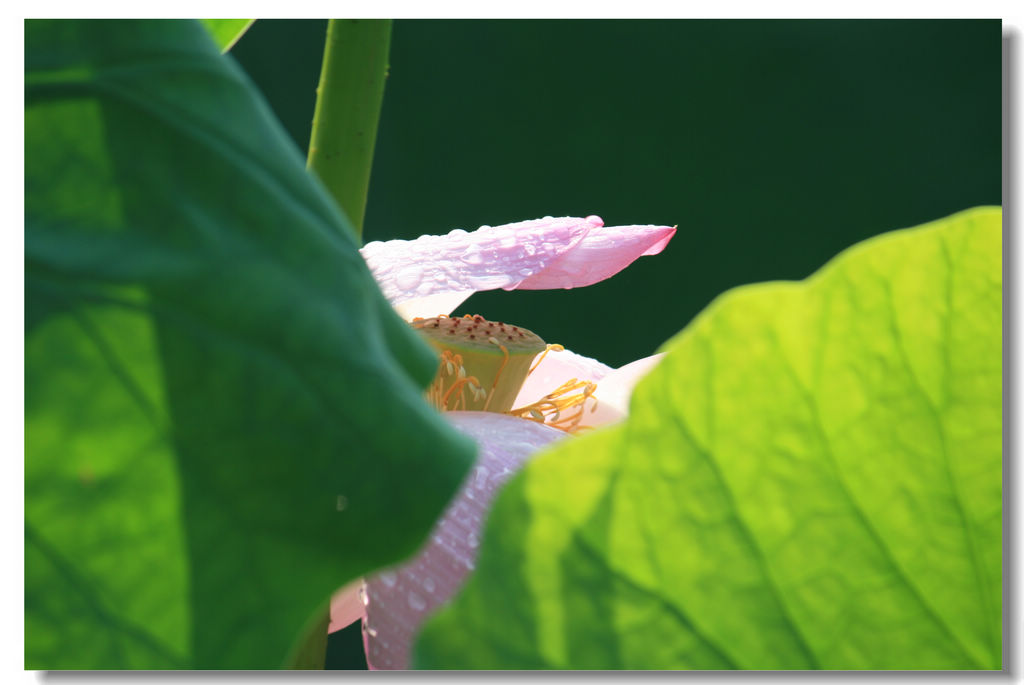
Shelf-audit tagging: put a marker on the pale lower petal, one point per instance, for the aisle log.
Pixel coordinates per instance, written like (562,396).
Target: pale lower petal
(401,598)
(615,389)
(431,305)
(614,386)
(556,368)
(346,606)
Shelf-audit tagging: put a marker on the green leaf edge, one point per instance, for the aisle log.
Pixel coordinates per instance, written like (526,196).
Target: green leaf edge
(226,32)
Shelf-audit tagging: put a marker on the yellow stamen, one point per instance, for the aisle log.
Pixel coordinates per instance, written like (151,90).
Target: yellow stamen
(460,386)
(570,398)
(497,376)
(556,347)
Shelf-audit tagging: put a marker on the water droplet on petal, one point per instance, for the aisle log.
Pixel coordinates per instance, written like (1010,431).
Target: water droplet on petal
(372,632)
(416,602)
(409,277)
(429,585)
(363,597)
(473,255)
(388,578)
(472,540)
(480,476)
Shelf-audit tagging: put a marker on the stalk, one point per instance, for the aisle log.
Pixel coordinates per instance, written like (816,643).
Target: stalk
(348,104)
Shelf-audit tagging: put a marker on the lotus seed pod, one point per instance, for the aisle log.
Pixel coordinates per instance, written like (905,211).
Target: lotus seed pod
(483,363)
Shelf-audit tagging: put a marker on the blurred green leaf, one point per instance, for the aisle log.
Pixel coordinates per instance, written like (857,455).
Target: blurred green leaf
(811,479)
(226,32)
(223,421)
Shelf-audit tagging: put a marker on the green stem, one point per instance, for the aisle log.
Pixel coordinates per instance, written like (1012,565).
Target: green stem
(348,105)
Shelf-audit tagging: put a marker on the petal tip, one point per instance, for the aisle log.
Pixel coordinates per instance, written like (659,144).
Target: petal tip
(665,233)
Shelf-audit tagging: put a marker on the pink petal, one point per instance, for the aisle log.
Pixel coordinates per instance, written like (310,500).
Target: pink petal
(346,606)
(400,599)
(424,277)
(600,255)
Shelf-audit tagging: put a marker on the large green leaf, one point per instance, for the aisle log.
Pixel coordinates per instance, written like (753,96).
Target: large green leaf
(810,479)
(223,415)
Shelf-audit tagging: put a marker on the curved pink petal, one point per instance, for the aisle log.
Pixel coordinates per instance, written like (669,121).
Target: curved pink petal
(423,277)
(400,598)
(601,254)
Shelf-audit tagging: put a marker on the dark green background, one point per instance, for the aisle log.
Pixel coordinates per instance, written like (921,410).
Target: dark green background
(772,145)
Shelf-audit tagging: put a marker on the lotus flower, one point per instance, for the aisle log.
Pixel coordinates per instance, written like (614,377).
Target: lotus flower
(527,406)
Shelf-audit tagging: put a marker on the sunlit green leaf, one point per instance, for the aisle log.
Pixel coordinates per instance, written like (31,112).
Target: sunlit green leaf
(226,32)
(223,421)
(811,479)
